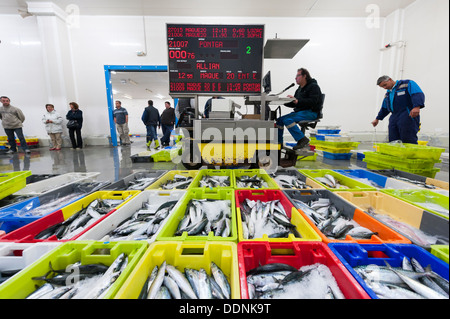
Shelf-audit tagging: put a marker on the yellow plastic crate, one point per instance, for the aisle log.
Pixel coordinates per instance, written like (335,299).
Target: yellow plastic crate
(12,182)
(183,255)
(170,176)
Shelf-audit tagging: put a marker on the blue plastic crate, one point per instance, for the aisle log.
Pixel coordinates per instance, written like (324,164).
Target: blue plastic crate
(380,180)
(353,255)
(328,131)
(337,156)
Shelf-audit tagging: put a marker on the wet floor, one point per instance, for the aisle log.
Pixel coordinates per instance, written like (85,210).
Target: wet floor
(116,163)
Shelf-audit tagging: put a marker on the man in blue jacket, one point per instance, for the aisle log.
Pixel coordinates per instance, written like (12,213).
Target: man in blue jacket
(404,99)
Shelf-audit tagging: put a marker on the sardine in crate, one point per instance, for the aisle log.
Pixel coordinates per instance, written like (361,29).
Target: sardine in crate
(352,184)
(125,182)
(294,173)
(260,173)
(171,226)
(154,197)
(383,234)
(27,233)
(86,252)
(194,255)
(353,255)
(297,254)
(399,210)
(170,175)
(214,172)
(306,231)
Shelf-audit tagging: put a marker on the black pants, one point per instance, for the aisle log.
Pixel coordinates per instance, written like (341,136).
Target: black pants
(12,138)
(167,129)
(78,143)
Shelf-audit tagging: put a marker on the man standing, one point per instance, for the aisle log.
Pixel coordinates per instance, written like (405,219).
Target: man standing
(120,116)
(12,119)
(403,99)
(151,119)
(167,123)
(307,103)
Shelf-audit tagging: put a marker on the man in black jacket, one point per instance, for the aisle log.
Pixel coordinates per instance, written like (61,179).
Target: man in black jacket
(151,119)
(306,108)
(167,123)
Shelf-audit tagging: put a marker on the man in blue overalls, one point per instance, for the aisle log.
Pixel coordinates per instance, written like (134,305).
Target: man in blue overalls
(403,99)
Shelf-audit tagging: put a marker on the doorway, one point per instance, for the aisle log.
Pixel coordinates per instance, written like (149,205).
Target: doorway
(134,86)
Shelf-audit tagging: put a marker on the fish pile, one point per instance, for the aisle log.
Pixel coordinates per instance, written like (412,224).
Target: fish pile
(411,281)
(282,281)
(206,215)
(78,281)
(288,181)
(246,181)
(82,219)
(193,284)
(418,183)
(215,181)
(178,182)
(140,183)
(143,224)
(330,181)
(330,221)
(270,218)
(418,236)
(6,274)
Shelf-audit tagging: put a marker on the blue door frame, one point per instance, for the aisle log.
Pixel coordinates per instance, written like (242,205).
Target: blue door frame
(109,92)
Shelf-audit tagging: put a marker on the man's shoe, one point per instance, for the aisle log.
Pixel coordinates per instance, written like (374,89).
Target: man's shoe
(27,151)
(301,143)
(11,152)
(52,149)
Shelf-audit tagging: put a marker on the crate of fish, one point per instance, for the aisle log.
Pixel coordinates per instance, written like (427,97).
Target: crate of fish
(11,183)
(290,270)
(410,151)
(30,209)
(336,147)
(174,180)
(77,270)
(427,200)
(136,181)
(14,257)
(214,179)
(203,215)
(375,180)
(422,228)
(417,180)
(334,181)
(51,184)
(337,220)
(195,270)
(395,271)
(167,154)
(293,179)
(440,251)
(253,179)
(71,221)
(268,215)
(399,162)
(139,219)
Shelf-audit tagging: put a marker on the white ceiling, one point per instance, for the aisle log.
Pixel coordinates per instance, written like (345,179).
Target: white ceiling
(250,8)
(147,85)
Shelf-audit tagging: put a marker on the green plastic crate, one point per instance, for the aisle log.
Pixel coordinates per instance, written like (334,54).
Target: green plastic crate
(419,197)
(12,182)
(258,172)
(213,172)
(410,151)
(353,185)
(375,165)
(166,155)
(440,251)
(170,175)
(398,162)
(87,252)
(167,233)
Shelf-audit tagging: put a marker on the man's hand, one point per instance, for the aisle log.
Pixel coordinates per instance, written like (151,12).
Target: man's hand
(375,123)
(293,97)
(415,112)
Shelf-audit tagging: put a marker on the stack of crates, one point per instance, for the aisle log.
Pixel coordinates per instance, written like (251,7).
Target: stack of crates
(411,158)
(333,145)
(32,142)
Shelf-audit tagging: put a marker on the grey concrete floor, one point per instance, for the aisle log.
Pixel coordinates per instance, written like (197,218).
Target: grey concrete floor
(114,163)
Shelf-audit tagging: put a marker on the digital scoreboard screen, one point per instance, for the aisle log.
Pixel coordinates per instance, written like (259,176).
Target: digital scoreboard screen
(215,59)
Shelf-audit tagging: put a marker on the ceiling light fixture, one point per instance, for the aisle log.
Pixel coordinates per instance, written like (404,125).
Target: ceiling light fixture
(24,13)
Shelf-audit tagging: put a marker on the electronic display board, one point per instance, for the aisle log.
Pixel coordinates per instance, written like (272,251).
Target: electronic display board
(215,59)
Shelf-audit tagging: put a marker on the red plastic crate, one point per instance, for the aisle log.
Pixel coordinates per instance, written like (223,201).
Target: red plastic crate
(296,254)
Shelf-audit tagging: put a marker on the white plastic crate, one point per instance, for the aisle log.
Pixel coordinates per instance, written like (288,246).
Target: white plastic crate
(38,188)
(15,256)
(155,197)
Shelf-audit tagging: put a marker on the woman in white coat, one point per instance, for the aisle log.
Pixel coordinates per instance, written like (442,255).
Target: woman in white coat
(53,125)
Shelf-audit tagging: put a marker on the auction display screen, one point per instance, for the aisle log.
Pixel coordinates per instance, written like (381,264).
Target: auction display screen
(215,59)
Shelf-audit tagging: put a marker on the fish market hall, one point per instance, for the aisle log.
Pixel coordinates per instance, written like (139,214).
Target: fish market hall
(240,168)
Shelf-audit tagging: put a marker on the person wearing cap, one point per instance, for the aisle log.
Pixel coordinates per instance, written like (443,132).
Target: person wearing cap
(404,99)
